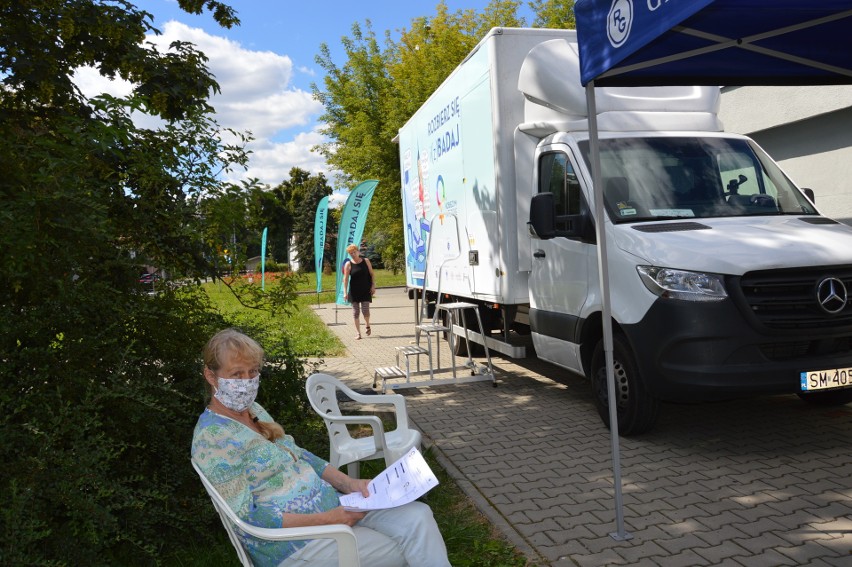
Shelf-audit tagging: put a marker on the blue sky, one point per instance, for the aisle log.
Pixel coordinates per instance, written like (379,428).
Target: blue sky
(266,65)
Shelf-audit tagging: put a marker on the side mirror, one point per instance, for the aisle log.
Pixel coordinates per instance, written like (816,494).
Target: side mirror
(542,221)
(809,193)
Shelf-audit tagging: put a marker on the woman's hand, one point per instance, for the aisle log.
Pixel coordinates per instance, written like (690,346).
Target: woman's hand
(361,485)
(340,515)
(344,483)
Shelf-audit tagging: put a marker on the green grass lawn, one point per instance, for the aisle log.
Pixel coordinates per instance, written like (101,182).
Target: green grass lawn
(384,278)
(470,538)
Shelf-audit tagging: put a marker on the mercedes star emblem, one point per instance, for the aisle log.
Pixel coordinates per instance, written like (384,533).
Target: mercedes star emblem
(832,295)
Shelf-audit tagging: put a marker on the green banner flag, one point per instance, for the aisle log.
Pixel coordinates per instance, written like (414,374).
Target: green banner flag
(320,223)
(351,228)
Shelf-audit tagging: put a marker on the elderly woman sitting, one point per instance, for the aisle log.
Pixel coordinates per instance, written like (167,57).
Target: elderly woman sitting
(271,482)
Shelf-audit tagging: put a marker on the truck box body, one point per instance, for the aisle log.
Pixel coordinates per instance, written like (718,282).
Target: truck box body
(457,158)
(725,280)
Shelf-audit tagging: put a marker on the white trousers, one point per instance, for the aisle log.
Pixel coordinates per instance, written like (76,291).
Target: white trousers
(407,535)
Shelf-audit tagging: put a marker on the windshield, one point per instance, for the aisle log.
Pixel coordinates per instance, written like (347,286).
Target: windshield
(685,177)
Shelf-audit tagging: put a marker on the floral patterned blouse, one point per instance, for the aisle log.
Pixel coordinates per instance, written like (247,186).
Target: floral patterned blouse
(261,480)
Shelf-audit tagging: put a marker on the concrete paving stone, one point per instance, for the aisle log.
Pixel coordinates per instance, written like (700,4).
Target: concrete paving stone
(769,558)
(562,553)
(783,482)
(563,562)
(603,526)
(716,553)
(572,519)
(716,506)
(837,495)
(796,522)
(833,512)
(542,514)
(756,513)
(728,562)
(804,534)
(547,477)
(646,562)
(756,545)
(841,526)
(677,529)
(516,518)
(683,493)
(683,542)
(649,533)
(686,558)
(544,526)
(606,557)
(639,550)
(692,511)
(814,475)
(840,561)
(753,499)
(691,499)
(640,521)
(578,532)
(564,488)
(500,499)
(582,504)
(752,486)
(649,498)
(805,554)
(536,538)
(720,536)
(717,521)
(841,545)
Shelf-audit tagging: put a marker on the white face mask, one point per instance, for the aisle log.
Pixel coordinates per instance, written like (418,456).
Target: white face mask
(237,394)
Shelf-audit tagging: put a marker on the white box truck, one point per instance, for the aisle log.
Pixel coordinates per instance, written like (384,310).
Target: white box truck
(725,279)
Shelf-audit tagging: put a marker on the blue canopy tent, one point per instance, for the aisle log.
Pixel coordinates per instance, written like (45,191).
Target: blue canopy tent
(700,42)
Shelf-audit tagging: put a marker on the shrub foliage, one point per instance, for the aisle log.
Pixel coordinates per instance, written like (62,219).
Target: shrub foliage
(101,379)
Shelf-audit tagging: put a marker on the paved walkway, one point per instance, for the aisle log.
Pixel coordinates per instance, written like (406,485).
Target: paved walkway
(749,483)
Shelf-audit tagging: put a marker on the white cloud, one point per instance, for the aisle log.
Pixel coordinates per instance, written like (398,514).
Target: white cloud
(271,161)
(255,96)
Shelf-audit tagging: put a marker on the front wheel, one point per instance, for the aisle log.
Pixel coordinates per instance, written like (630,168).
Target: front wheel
(636,409)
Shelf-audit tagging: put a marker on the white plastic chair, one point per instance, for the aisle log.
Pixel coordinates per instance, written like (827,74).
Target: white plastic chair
(347,548)
(347,450)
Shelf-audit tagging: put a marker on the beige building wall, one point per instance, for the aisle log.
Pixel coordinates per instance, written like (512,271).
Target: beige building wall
(807,130)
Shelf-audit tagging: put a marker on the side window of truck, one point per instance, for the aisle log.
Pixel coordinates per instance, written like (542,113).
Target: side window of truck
(557,175)
(742,177)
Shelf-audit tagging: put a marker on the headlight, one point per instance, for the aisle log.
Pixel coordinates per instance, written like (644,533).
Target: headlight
(680,284)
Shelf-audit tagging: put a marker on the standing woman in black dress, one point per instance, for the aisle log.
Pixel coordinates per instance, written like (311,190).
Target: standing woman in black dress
(359,287)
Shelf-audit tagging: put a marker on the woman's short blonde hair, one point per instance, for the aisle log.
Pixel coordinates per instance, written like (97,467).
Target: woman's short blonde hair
(351,248)
(231,342)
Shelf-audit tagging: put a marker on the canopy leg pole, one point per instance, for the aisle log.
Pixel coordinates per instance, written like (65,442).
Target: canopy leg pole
(606,310)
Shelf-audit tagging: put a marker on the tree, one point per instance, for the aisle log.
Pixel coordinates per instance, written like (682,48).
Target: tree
(266,210)
(101,382)
(377,90)
(553,13)
(313,188)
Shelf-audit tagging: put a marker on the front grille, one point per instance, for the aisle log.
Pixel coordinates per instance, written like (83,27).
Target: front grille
(802,349)
(787,299)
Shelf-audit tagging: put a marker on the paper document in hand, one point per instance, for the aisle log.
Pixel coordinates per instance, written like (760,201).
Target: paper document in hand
(406,480)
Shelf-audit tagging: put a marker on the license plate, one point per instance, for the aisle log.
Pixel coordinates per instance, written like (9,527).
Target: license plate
(826,379)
